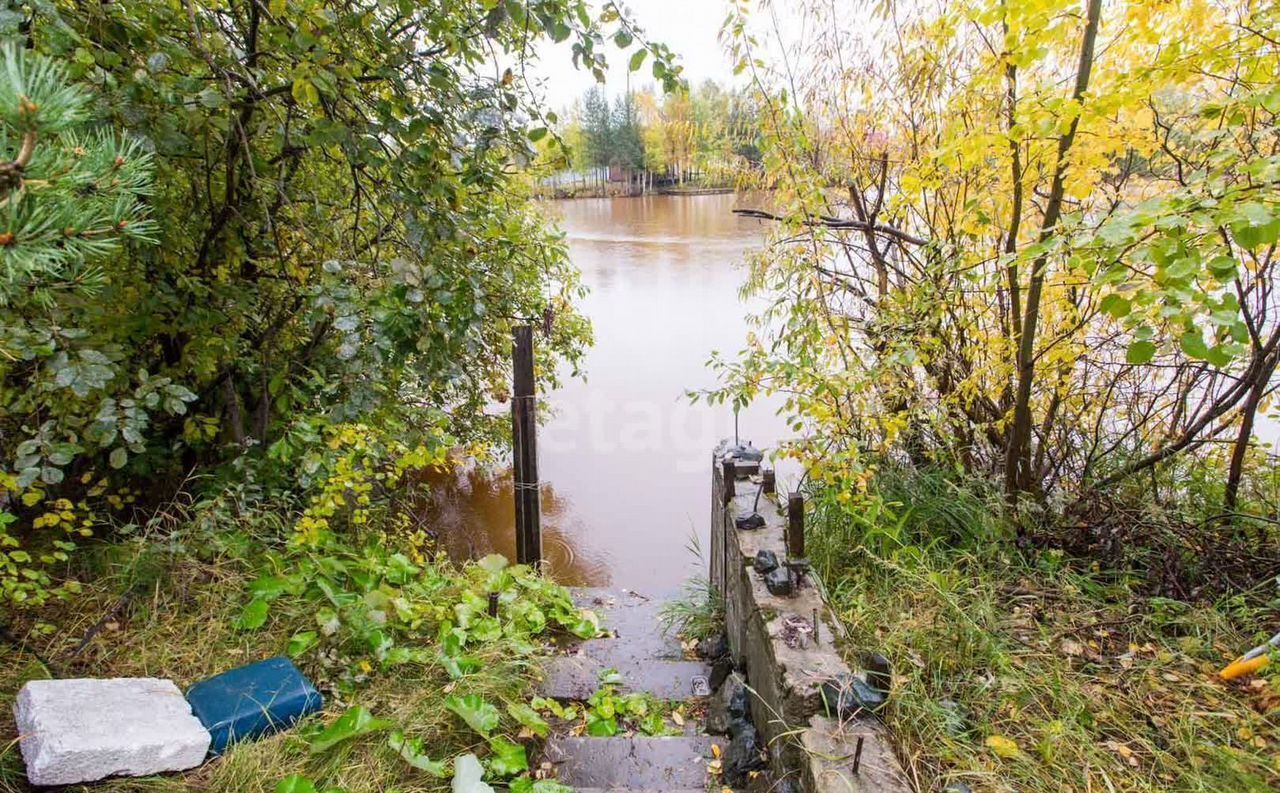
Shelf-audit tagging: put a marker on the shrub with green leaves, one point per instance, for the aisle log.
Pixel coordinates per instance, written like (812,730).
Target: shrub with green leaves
(341,234)
(71,194)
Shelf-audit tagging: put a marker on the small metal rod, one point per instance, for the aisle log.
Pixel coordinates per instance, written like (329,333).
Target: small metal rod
(815,628)
(493,604)
(755,505)
(857,754)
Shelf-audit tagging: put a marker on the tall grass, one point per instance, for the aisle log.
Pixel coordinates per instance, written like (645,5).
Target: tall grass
(698,613)
(1020,671)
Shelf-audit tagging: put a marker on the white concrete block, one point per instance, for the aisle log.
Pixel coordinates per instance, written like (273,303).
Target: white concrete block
(85,730)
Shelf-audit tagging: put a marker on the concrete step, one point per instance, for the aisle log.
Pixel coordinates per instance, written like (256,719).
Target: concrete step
(577,677)
(632,763)
(648,659)
(634,618)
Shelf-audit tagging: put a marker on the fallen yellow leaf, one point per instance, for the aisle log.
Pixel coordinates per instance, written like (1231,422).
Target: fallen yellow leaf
(1002,746)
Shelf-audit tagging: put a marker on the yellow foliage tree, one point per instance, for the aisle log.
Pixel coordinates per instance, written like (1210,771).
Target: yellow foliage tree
(1034,238)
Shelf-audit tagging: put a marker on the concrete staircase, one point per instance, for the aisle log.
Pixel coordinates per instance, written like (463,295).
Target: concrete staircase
(648,661)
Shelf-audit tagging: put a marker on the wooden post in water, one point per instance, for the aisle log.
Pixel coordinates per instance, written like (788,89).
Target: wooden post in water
(524,417)
(795,526)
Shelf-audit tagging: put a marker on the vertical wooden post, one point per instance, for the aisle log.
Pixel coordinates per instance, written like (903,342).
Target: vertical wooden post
(795,526)
(728,473)
(769,481)
(524,417)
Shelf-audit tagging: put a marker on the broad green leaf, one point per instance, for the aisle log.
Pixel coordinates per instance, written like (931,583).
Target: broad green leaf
(305,92)
(585,625)
(300,642)
(601,727)
(1116,305)
(527,717)
(1193,345)
(1223,268)
(1218,355)
(295,783)
(355,722)
(269,587)
(526,785)
(508,758)
(458,666)
(410,750)
(637,59)
(475,711)
(555,708)
(254,615)
(1140,352)
(486,629)
(653,724)
(636,704)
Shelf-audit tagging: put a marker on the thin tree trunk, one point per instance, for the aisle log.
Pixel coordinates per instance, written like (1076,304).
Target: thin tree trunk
(1015,215)
(1248,413)
(235,419)
(1017,464)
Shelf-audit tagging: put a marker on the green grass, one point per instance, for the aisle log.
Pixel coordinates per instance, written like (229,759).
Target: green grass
(697,614)
(1025,673)
(699,611)
(182,625)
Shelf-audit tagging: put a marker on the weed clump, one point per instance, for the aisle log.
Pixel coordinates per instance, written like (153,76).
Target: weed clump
(416,665)
(1021,668)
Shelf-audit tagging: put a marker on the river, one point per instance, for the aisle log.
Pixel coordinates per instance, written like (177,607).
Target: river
(624,456)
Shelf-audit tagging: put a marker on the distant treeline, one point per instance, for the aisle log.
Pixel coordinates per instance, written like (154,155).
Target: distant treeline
(642,140)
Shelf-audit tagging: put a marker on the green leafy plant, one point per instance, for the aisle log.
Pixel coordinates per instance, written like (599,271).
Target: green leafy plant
(296,783)
(528,718)
(479,715)
(355,722)
(526,785)
(410,750)
(607,712)
(71,195)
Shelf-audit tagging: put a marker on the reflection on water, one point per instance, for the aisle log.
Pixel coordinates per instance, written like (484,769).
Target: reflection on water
(472,512)
(624,456)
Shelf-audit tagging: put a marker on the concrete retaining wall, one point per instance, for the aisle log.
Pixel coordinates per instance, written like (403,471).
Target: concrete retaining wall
(772,639)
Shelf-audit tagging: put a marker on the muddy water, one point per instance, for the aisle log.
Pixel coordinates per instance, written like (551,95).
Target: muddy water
(624,457)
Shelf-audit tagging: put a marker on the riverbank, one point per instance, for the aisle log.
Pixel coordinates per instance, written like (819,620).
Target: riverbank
(396,638)
(618,190)
(1018,670)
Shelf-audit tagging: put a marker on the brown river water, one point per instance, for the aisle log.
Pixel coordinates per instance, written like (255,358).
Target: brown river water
(624,457)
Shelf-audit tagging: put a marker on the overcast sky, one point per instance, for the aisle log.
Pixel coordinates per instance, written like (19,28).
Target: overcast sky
(689,27)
